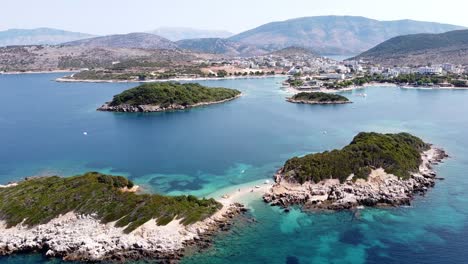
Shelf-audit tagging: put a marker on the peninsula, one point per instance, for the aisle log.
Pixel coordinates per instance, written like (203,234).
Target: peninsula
(168,96)
(97,217)
(318,98)
(373,170)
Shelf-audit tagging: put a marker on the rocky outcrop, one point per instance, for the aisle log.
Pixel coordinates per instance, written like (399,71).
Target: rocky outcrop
(85,238)
(380,189)
(156,108)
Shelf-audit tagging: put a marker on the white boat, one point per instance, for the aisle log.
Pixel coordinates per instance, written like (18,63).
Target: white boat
(85,133)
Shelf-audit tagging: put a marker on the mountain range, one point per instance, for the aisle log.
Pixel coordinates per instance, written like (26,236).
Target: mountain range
(421,49)
(132,40)
(325,35)
(179,33)
(39,36)
(334,34)
(220,46)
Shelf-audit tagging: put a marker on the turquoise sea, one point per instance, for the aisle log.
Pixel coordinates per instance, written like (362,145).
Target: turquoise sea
(201,151)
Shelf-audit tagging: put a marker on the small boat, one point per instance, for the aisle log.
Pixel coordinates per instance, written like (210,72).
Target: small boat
(256,186)
(85,133)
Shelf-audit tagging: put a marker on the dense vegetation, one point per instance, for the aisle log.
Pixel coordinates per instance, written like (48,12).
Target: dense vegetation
(39,200)
(319,97)
(165,94)
(294,82)
(398,154)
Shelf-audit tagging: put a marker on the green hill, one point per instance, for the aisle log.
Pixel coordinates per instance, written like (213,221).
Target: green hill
(421,49)
(398,154)
(169,93)
(318,97)
(39,200)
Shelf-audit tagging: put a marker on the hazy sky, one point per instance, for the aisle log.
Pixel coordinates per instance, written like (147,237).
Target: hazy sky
(123,16)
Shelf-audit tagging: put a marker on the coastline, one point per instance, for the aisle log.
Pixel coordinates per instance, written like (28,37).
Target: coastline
(65,79)
(293,90)
(38,72)
(74,237)
(380,189)
(156,108)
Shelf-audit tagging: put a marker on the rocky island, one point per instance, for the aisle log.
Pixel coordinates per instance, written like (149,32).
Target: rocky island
(318,98)
(373,170)
(97,217)
(168,96)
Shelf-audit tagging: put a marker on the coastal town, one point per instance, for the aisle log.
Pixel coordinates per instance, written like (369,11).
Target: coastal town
(304,70)
(195,132)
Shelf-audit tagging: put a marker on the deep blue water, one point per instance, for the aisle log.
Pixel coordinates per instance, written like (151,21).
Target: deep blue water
(203,150)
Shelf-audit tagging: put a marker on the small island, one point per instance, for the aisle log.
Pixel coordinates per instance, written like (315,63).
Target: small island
(168,96)
(98,217)
(373,170)
(318,98)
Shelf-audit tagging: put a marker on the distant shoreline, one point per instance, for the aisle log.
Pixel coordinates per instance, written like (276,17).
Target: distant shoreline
(65,79)
(38,72)
(293,90)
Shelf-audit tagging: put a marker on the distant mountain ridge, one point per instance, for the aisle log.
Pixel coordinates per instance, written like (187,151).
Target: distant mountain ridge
(334,34)
(39,36)
(132,40)
(219,46)
(179,33)
(418,49)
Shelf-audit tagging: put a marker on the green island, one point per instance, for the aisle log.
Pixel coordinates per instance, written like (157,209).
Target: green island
(39,200)
(318,98)
(398,154)
(154,97)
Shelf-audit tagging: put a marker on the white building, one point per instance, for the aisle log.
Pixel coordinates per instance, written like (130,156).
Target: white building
(448,67)
(403,70)
(432,70)
(335,76)
(375,70)
(294,70)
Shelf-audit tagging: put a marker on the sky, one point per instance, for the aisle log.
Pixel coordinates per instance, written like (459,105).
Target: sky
(123,16)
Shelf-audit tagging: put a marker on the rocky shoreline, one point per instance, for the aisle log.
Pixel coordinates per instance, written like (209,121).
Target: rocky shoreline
(75,237)
(126,108)
(381,189)
(316,102)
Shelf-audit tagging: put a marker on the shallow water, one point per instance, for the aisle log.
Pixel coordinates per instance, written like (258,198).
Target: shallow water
(201,151)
